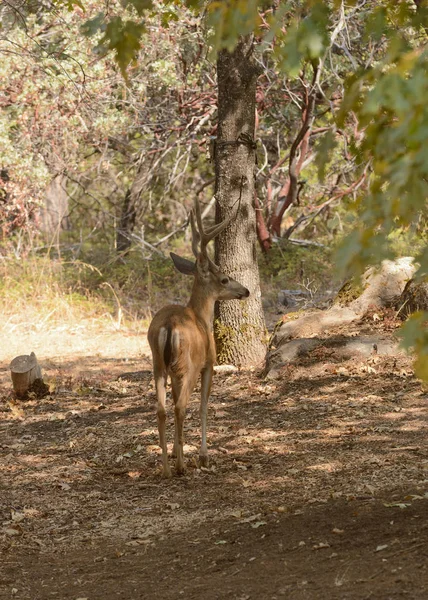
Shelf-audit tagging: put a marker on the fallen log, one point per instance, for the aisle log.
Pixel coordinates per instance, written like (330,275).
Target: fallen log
(378,289)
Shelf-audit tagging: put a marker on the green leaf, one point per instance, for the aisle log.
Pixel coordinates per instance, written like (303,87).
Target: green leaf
(231,20)
(414,336)
(139,5)
(421,365)
(70,4)
(168,16)
(94,25)
(376,24)
(306,38)
(324,149)
(422,260)
(124,37)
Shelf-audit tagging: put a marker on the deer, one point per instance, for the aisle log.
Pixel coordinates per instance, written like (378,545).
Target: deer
(182,341)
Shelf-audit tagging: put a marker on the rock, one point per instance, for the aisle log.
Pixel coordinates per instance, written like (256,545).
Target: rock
(226,369)
(290,298)
(383,287)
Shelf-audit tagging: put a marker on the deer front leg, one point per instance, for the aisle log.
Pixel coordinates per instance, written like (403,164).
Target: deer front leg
(206,378)
(160,382)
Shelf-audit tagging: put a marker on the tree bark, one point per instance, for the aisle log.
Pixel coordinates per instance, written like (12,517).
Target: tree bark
(263,235)
(54,214)
(240,326)
(126,223)
(132,206)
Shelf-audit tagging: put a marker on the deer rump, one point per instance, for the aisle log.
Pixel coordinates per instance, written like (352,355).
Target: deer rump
(183,342)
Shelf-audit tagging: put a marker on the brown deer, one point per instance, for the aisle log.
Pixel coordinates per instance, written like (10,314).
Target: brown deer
(182,342)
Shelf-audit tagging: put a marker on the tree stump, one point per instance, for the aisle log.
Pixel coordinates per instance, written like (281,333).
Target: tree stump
(378,288)
(24,370)
(413,298)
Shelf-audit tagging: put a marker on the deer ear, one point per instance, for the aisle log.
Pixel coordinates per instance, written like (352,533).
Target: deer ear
(187,267)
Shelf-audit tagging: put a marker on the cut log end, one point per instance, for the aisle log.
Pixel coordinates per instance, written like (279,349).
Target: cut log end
(26,374)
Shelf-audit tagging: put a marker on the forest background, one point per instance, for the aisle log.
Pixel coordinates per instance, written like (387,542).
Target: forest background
(108,119)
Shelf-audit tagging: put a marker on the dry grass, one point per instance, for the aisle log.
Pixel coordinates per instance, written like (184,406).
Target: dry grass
(37,293)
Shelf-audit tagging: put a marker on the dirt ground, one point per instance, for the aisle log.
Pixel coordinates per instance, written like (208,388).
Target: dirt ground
(317,488)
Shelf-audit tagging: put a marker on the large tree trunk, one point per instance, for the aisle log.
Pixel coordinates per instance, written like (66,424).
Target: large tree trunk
(240,326)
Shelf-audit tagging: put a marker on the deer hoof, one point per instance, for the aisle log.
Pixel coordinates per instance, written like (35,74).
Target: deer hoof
(166,472)
(203,461)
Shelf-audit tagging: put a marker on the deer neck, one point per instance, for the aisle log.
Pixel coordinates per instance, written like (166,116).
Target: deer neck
(202,304)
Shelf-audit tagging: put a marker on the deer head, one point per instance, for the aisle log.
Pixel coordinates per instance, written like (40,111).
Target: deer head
(207,274)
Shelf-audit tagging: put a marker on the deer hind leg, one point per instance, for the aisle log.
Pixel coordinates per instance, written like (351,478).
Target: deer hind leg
(181,390)
(175,446)
(160,383)
(206,378)
(180,403)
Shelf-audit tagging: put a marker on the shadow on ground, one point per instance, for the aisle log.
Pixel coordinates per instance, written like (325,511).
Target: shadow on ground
(317,486)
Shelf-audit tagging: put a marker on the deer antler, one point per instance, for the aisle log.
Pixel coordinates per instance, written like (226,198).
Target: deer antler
(196,238)
(200,236)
